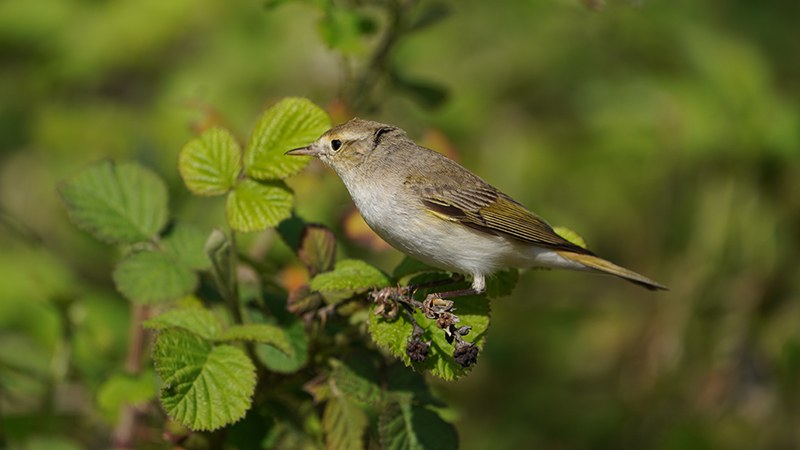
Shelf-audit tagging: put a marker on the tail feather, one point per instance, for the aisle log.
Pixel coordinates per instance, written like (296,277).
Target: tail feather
(601,265)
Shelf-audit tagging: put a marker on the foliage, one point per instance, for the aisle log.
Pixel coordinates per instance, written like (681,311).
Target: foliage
(665,133)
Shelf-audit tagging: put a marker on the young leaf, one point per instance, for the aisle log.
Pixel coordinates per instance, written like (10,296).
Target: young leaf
(291,123)
(211,164)
(258,332)
(317,248)
(302,300)
(150,277)
(404,426)
(256,206)
(350,274)
(199,321)
(205,387)
(393,335)
(358,378)
(344,423)
(185,244)
(117,203)
(279,361)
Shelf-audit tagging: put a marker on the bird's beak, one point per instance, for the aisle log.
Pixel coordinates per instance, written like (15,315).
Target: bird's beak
(309,151)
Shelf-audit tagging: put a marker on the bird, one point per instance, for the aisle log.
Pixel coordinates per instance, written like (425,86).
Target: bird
(434,210)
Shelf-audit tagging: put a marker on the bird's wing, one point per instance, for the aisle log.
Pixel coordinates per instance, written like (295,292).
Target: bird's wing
(486,209)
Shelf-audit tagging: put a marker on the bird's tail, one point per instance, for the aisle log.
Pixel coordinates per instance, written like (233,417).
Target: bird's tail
(607,267)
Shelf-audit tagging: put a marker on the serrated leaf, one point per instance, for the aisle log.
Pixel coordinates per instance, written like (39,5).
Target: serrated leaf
(258,332)
(502,283)
(211,164)
(117,203)
(410,266)
(185,244)
(256,206)
(404,426)
(291,123)
(570,235)
(120,389)
(279,361)
(199,321)
(317,248)
(344,423)
(350,274)
(148,277)
(205,386)
(358,378)
(393,335)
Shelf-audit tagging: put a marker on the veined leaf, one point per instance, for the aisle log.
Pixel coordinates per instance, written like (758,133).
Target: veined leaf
(151,277)
(344,423)
(211,164)
(185,245)
(256,206)
(350,274)
(117,203)
(279,361)
(291,123)
(258,332)
(205,386)
(404,426)
(317,248)
(358,378)
(393,334)
(199,321)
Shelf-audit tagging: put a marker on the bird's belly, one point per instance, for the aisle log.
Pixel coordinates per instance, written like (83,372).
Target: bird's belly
(439,242)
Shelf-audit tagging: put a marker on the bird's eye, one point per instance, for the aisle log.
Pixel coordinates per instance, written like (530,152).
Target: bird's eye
(336,144)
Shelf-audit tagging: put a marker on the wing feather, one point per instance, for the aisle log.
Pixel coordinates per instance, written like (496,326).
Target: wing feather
(486,209)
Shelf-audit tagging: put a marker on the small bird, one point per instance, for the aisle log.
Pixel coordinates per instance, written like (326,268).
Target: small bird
(433,209)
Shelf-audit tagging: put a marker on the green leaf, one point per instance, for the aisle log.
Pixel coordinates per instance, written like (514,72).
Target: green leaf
(570,235)
(256,206)
(357,377)
(211,164)
(350,274)
(393,335)
(302,300)
(205,387)
(501,284)
(427,94)
(125,389)
(317,248)
(199,321)
(344,423)
(258,332)
(148,277)
(184,244)
(404,426)
(433,13)
(117,203)
(291,123)
(279,361)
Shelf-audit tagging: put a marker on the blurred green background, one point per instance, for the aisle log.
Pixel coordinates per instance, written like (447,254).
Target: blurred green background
(666,133)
